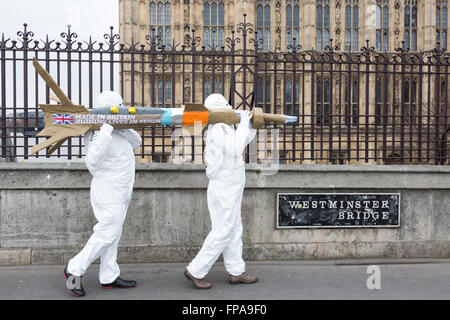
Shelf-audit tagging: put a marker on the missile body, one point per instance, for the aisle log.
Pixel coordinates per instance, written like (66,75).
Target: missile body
(66,120)
(144,116)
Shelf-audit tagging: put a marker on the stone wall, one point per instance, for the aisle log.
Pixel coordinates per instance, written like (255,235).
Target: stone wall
(46,217)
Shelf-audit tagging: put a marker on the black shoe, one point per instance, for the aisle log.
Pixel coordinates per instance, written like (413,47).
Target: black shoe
(120,283)
(77,289)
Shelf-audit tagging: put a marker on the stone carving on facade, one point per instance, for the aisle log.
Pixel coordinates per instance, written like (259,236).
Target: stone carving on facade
(337,28)
(278,38)
(187,38)
(397,24)
(187,11)
(278,25)
(187,89)
(397,95)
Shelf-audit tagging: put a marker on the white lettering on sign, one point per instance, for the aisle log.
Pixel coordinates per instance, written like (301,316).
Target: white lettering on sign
(116,119)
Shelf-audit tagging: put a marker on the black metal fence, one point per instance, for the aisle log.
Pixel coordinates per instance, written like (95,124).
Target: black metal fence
(365,106)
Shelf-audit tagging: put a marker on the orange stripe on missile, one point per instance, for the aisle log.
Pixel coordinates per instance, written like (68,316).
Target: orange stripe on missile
(195,116)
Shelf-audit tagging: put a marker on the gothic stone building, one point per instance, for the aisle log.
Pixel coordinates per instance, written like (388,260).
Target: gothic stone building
(280,25)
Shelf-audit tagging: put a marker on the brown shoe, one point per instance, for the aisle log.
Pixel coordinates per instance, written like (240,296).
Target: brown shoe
(198,283)
(243,278)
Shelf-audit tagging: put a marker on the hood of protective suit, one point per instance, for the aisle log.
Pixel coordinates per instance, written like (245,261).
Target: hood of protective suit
(216,101)
(109,99)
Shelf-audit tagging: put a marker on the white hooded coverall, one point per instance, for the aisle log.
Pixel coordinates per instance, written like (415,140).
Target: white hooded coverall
(110,159)
(226,173)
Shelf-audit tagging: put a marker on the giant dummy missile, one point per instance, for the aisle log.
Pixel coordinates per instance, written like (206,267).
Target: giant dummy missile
(65,120)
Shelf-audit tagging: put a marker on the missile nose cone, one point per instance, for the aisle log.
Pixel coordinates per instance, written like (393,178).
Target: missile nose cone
(290,119)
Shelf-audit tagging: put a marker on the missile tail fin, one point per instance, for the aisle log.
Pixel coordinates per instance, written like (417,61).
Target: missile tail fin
(57,139)
(56,146)
(51,83)
(47,143)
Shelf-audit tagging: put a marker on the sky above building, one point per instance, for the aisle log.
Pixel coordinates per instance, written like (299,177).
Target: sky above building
(86,17)
(51,17)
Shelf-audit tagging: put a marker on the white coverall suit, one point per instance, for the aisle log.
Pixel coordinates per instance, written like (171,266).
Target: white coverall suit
(226,173)
(110,159)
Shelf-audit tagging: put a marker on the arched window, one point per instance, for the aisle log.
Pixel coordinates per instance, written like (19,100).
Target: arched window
(410,101)
(160,92)
(382,25)
(167,36)
(288,91)
(382,101)
(152,13)
(292,22)
(351,102)
(263,23)
(168,93)
(351,25)
(263,94)
(212,85)
(322,24)
(214,23)
(411,24)
(221,37)
(323,101)
(206,37)
(206,89)
(220,86)
(163,94)
(160,14)
(160,20)
(441,23)
(291,96)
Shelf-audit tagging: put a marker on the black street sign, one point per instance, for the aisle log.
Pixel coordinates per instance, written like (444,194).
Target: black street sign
(338,210)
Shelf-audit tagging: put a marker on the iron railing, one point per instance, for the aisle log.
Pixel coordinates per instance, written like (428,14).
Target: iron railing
(353,107)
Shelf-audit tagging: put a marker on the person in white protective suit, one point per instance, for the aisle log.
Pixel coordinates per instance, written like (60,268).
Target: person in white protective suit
(111,161)
(226,172)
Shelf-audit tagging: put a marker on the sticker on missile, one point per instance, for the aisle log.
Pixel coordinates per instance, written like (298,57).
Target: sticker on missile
(117,119)
(61,118)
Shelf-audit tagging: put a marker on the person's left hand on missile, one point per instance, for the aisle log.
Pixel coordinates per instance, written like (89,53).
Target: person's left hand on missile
(246,116)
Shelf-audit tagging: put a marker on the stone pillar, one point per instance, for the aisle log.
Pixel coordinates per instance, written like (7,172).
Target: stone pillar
(128,20)
(308,42)
(369,19)
(185,19)
(309,24)
(396,19)
(338,33)
(143,20)
(427,25)
(249,8)
(197,16)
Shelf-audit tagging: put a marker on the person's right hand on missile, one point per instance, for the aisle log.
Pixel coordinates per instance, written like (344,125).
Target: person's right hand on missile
(245,132)
(245,117)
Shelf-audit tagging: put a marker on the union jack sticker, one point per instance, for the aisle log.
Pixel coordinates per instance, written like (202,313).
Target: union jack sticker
(62,118)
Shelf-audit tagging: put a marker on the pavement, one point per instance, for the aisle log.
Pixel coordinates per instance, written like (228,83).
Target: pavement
(279,280)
